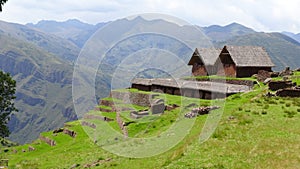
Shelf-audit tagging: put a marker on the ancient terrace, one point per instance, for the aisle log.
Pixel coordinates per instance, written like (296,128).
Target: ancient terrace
(230,61)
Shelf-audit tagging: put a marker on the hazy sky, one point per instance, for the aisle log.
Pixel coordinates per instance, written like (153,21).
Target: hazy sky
(261,15)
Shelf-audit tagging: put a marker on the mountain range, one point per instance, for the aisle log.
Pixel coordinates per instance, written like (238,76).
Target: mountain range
(41,58)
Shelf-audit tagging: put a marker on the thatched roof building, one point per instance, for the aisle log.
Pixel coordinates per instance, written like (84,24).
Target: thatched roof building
(203,60)
(243,61)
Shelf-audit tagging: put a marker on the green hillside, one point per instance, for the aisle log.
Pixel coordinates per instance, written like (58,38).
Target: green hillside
(254,131)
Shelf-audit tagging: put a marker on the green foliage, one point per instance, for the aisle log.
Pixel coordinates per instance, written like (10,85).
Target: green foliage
(7,96)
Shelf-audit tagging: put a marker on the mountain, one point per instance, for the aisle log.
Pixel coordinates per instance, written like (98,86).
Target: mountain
(292,35)
(72,30)
(42,64)
(221,33)
(41,59)
(43,88)
(52,44)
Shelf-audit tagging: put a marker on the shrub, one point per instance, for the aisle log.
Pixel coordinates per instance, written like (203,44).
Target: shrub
(290,114)
(266,106)
(288,104)
(264,112)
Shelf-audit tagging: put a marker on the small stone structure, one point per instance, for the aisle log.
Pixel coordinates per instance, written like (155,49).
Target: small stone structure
(200,111)
(47,140)
(157,106)
(137,115)
(70,133)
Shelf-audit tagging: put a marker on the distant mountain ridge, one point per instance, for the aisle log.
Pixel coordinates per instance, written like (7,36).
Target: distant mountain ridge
(221,33)
(41,58)
(73,30)
(292,35)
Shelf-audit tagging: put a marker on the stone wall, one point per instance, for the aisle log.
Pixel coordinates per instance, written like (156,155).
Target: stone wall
(47,140)
(70,132)
(140,99)
(288,93)
(276,85)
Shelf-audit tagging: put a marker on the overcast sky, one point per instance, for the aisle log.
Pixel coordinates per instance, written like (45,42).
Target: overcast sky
(261,15)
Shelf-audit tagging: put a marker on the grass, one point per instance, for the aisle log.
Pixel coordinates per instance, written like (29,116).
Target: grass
(254,132)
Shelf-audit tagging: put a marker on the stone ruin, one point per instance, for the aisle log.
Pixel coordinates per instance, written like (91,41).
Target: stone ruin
(276,85)
(200,111)
(47,140)
(262,75)
(292,92)
(157,106)
(70,133)
(286,72)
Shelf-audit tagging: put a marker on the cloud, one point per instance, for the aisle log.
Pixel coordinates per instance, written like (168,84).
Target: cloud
(267,15)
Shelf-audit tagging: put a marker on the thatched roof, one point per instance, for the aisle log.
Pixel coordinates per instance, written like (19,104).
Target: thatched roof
(248,56)
(205,56)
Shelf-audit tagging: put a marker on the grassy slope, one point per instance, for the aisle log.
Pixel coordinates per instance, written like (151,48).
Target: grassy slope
(262,133)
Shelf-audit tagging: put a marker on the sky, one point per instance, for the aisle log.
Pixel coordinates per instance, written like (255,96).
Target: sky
(260,15)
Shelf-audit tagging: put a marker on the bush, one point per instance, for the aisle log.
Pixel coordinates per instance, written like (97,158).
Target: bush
(264,112)
(266,106)
(290,114)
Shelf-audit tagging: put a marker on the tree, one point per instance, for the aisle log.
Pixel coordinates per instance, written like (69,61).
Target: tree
(7,106)
(2,2)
